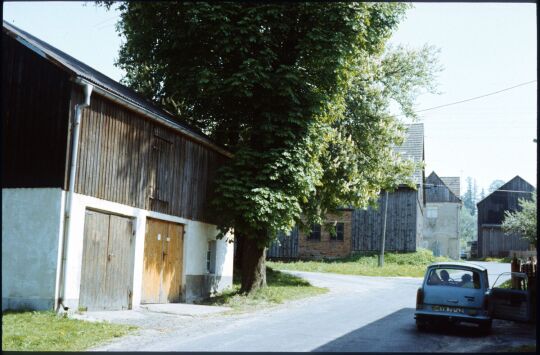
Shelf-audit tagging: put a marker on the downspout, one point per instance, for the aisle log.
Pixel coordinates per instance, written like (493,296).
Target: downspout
(71,191)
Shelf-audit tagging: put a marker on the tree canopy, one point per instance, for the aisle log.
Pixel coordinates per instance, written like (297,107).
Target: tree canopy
(299,92)
(522,222)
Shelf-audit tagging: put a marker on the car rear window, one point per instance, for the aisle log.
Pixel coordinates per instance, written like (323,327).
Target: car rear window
(454,278)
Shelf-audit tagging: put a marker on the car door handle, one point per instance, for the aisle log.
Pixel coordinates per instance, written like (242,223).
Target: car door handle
(452,301)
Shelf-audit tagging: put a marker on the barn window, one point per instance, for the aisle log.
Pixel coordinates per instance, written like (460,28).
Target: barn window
(340,232)
(161,172)
(315,232)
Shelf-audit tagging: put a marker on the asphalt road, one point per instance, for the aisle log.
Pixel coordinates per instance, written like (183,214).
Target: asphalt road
(359,313)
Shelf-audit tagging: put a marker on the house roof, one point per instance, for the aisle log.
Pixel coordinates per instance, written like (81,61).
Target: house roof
(413,147)
(78,68)
(452,182)
(439,191)
(516,184)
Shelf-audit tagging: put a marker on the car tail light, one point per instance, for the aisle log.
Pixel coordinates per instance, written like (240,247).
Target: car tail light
(419,298)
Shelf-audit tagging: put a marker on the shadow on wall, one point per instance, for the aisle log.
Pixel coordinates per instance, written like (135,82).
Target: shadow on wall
(397,332)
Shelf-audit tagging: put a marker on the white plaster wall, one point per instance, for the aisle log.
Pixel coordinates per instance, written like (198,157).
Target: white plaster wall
(196,239)
(32,224)
(445,230)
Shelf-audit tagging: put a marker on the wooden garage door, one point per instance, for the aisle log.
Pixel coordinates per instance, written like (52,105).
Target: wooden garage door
(163,251)
(107,265)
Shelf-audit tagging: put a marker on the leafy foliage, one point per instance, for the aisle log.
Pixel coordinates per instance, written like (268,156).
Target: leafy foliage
(299,92)
(523,222)
(468,227)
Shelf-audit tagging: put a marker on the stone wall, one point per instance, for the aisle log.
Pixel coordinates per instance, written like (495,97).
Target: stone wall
(326,248)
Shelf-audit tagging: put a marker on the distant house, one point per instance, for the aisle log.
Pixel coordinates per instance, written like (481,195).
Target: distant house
(108,213)
(403,225)
(491,239)
(441,217)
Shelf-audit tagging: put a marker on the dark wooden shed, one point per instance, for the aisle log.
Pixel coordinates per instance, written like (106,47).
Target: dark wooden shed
(491,239)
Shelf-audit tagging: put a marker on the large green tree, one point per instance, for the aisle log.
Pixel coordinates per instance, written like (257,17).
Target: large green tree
(299,92)
(522,222)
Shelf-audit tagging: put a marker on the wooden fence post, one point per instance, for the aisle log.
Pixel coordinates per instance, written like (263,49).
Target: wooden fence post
(515,267)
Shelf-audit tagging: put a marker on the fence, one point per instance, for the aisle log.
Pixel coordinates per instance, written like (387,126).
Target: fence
(528,266)
(523,254)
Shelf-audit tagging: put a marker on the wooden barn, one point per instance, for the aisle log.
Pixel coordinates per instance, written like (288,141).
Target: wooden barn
(404,219)
(104,195)
(491,239)
(362,228)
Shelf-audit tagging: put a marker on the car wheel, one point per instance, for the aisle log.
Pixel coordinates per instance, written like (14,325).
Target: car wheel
(421,325)
(485,328)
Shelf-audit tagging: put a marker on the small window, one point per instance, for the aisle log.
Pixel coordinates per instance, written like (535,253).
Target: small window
(315,232)
(432,212)
(340,232)
(211,257)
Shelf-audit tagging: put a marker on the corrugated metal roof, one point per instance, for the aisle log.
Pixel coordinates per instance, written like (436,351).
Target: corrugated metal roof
(453,184)
(78,68)
(413,147)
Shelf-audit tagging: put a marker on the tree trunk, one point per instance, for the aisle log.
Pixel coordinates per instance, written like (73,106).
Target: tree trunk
(253,265)
(239,248)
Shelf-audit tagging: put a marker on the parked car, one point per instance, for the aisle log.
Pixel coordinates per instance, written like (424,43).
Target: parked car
(459,292)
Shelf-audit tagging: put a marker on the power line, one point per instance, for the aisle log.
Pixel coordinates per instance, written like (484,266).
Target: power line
(474,98)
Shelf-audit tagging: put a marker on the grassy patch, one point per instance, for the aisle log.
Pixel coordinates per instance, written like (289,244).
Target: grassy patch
(281,287)
(47,331)
(495,260)
(395,264)
(520,349)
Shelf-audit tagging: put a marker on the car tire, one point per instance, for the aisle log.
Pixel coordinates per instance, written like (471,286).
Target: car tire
(421,325)
(485,328)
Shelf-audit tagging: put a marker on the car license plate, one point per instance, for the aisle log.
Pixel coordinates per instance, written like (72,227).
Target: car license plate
(448,309)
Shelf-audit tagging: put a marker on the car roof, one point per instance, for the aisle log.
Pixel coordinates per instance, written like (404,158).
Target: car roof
(460,265)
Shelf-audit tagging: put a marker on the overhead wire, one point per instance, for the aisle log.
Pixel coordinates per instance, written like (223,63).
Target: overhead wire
(473,98)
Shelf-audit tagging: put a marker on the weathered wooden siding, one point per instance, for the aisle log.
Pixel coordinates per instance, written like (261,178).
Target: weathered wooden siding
(35,104)
(437,191)
(128,159)
(497,244)
(401,223)
(107,265)
(287,246)
(491,214)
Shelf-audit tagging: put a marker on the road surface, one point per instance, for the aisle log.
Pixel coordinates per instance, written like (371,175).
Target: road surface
(360,313)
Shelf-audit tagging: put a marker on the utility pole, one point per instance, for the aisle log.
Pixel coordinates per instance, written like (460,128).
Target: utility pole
(381,257)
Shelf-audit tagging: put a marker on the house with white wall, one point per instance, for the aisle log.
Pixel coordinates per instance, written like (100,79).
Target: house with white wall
(441,220)
(105,196)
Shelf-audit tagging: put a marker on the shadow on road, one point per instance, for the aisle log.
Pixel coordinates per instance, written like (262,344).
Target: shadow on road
(397,332)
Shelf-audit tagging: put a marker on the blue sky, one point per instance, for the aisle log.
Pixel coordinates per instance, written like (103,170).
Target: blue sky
(484,48)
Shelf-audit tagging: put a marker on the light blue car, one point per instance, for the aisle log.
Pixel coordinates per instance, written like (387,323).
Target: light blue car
(460,292)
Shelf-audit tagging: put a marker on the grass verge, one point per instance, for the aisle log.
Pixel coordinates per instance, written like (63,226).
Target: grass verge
(395,264)
(47,331)
(496,260)
(520,349)
(281,287)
